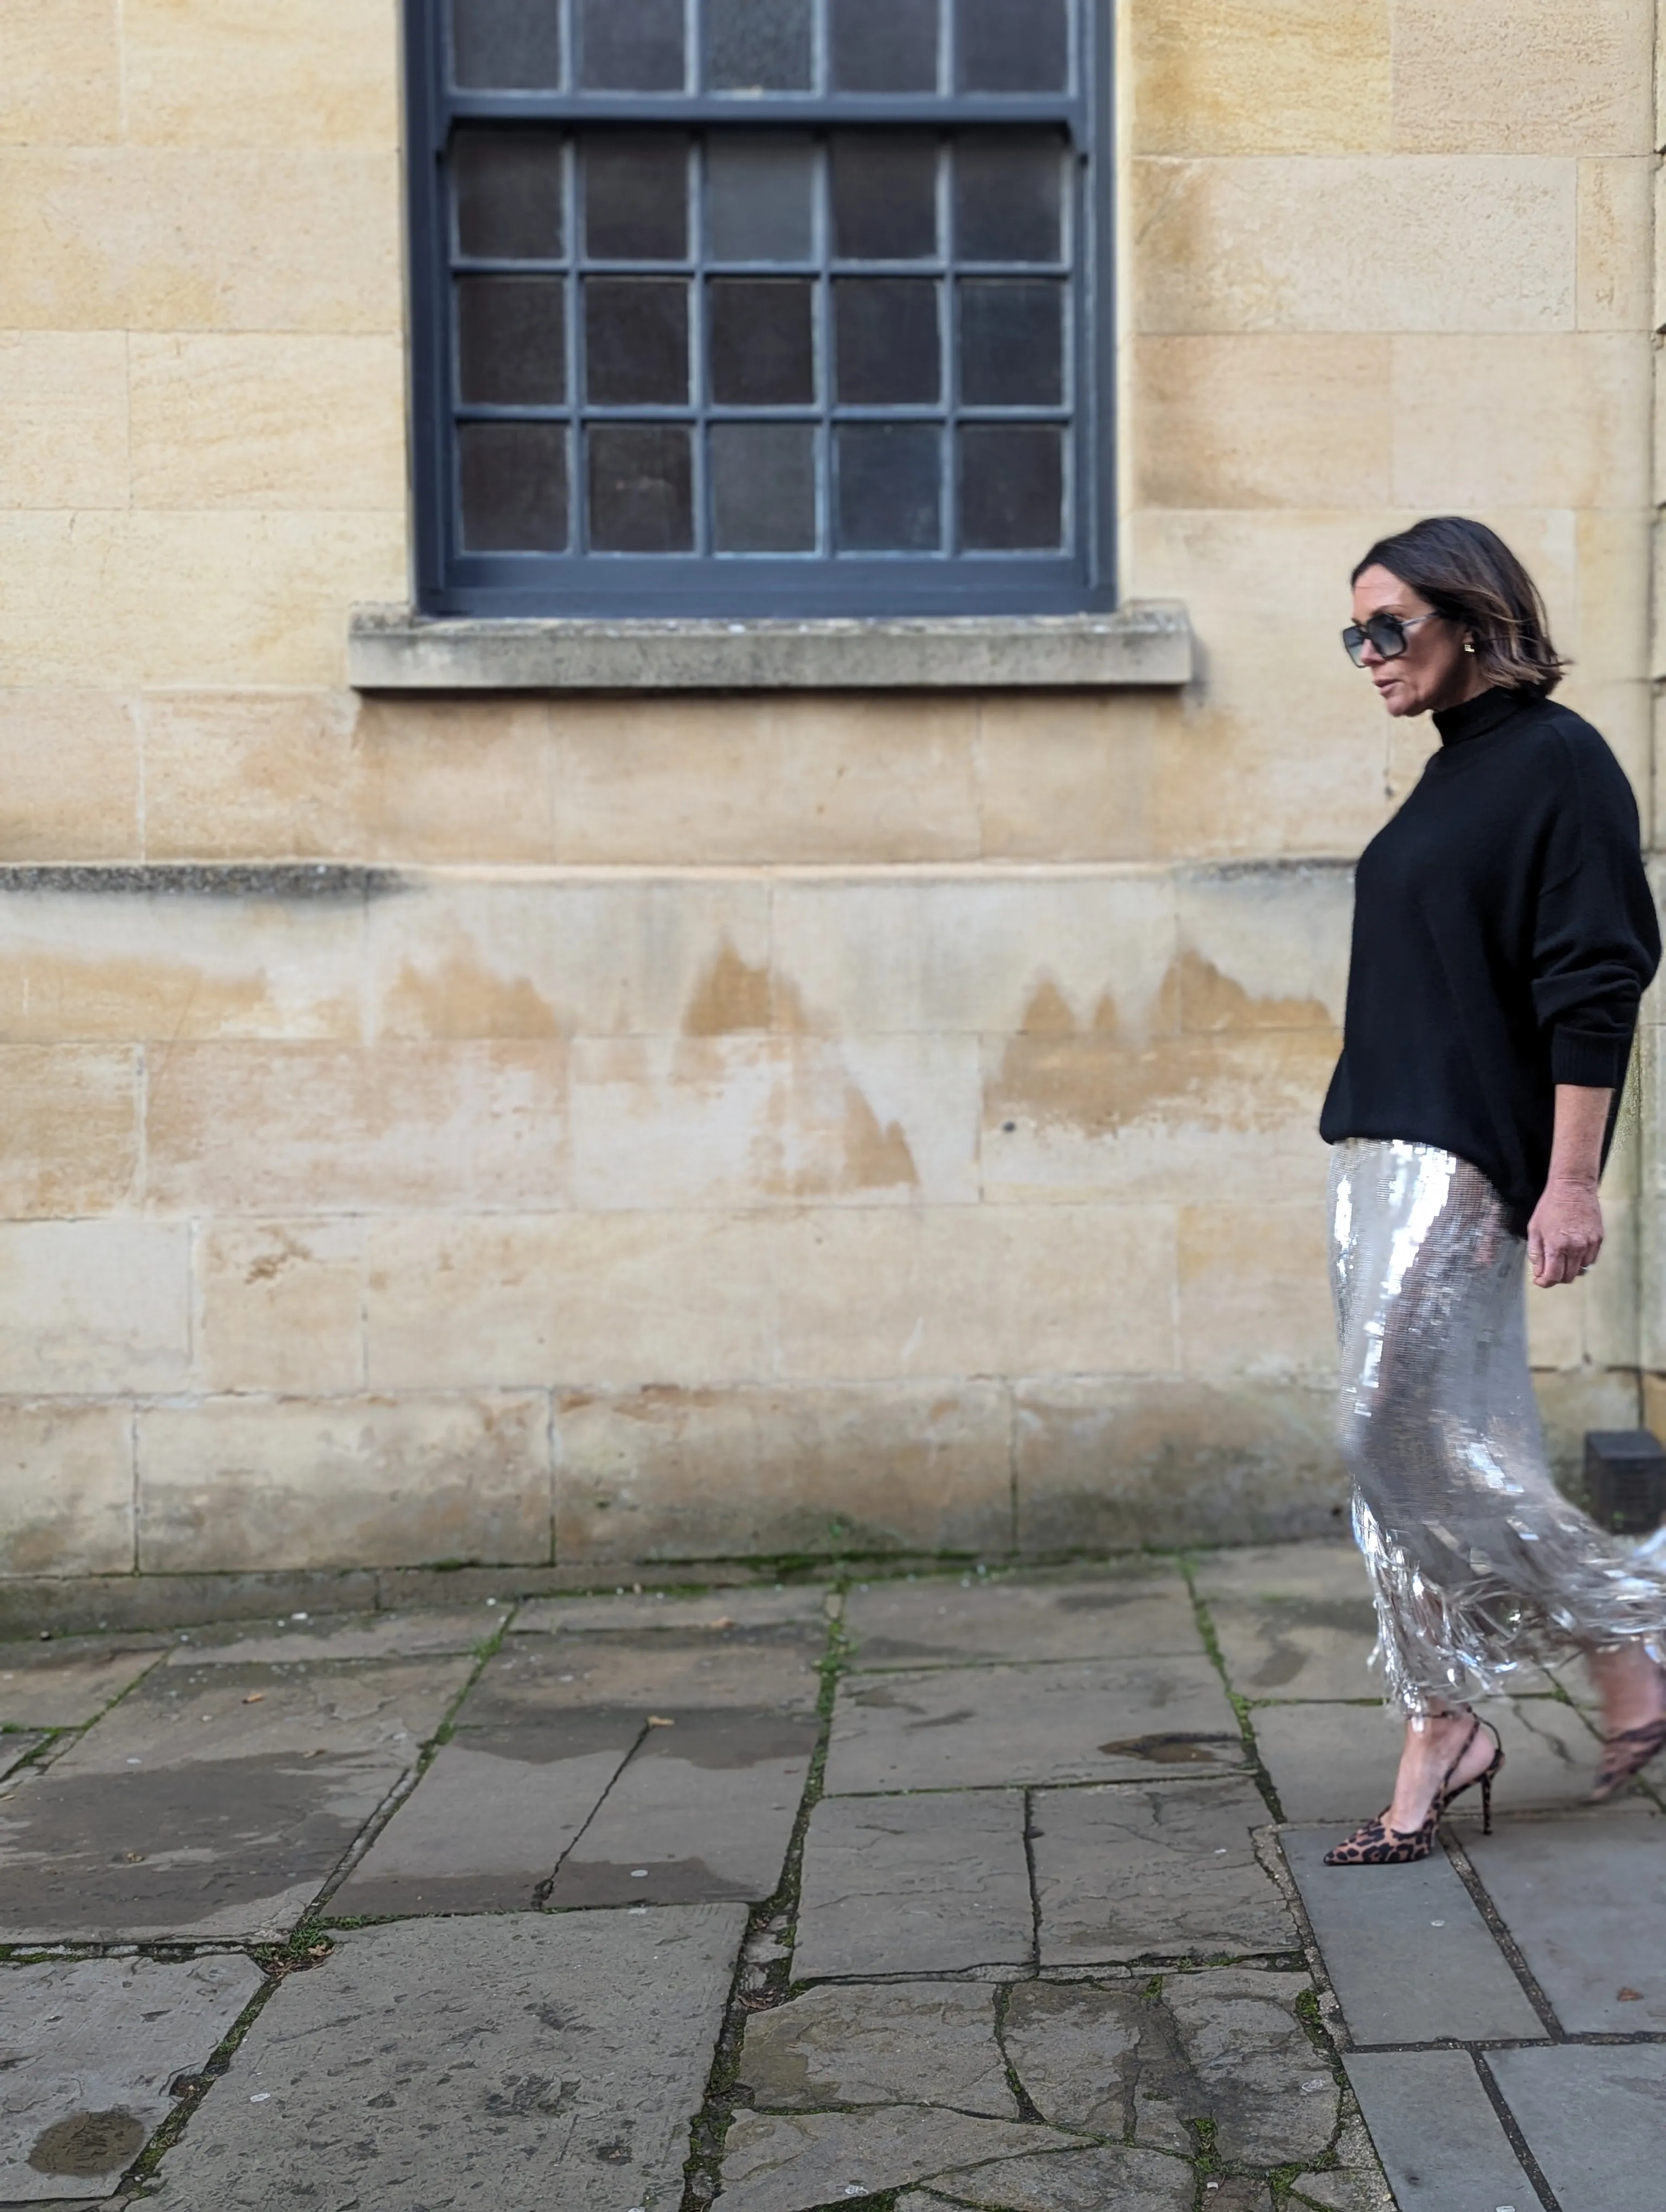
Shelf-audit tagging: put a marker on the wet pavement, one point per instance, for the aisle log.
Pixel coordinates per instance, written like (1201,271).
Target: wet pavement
(977,1889)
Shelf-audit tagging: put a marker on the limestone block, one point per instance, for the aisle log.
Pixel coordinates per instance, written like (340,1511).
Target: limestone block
(1652,1291)
(239,1483)
(64,418)
(1615,289)
(69,776)
(1526,76)
(766,778)
(1070,777)
(94,1306)
(246,1127)
(985,1290)
(1104,1463)
(56,565)
(120,963)
(1229,245)
(201,238)
(69,1133)
(627,956)
(1272,420)
(1035,951)
(237,73)
(1264,763)
(222,597)
(268,420)
(66,1490)
(1227,78)
(577,1300)
(238,776)
(1225,1116)
(61,80)
(1254,1291)
(1584,1398)
(1611,633)
(930,2043)
(1552,420)
(685,1473)
(736,1121)
(280,1306)
(1264,947)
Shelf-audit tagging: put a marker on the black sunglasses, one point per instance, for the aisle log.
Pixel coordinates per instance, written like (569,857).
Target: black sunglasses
(1386,632)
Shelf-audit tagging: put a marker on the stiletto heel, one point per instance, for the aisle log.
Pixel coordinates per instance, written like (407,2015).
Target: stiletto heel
(1376,1844)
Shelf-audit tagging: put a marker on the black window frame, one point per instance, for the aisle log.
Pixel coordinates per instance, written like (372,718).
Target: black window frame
(577,584)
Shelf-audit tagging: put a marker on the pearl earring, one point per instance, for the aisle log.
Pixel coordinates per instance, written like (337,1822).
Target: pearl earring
(1468,644)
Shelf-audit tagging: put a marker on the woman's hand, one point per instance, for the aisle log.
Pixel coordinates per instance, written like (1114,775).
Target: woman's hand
(1565,1233)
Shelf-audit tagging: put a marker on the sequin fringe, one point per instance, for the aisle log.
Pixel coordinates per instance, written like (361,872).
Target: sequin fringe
(1479,1568)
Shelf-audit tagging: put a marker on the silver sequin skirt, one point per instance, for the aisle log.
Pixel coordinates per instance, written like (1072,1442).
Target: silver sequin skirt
(1479,1566)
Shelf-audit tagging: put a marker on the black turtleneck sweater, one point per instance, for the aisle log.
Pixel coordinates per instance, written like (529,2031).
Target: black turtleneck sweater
(1503,934)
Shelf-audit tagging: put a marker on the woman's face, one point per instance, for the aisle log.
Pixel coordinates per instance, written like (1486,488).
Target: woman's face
(1434,671)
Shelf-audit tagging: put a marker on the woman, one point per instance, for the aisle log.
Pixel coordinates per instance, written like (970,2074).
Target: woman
(1503,934)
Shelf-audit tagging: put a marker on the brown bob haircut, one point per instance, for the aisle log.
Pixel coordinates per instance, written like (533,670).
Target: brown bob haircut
(1467,573)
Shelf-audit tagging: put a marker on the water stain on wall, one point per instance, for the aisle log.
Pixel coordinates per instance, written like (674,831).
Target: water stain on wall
(462,998)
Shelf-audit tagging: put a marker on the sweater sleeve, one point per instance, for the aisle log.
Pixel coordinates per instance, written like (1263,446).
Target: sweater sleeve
(1596,939)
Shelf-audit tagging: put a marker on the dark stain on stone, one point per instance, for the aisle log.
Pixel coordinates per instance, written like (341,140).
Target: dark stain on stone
(193,1841)
(396,1896)
(1166,1750)
(528,2093)
(942,1720)
(88,2144)
(728,1740)
(294,879)
(672,1882)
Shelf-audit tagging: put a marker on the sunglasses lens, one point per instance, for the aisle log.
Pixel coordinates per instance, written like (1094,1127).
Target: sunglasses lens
(1386,635)
(1353,638)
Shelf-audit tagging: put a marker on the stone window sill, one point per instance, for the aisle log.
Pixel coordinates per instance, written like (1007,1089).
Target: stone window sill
(1147,643)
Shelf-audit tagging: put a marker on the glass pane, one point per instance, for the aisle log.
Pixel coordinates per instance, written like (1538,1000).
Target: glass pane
(757,46)
(1008,195)
(513,481)
(760,199)
(763,353)
(1012,344)
(884,197)
(763,487)
(637,197)
(884,46)
(1013,46)
(631,45)
(512,341)
(885,340)
(1012,488)
(510,193)
(642,495)
(888,498)
(637,341)
(507,46)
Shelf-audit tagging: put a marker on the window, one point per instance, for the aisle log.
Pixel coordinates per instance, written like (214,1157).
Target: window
(759,307)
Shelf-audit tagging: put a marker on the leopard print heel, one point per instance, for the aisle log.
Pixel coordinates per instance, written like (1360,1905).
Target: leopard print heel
(1376,1844)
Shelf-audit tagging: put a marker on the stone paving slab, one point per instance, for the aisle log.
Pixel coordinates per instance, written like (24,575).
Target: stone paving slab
(87,2049)
(1292,1620)
(1334,1762)
(895,2043)
(336,1635)
(811,1605)
(1104,2056)
(705,1810)
(790,2162)
(213,1803)
(659,1673)
(1272,2096)
(1585,1899)
(490,1821)
(487,2065)
(1409,1957)
(1591,2117)
(970,1727)
(914,1885)
(15,1749)
(65,1685)
(1076,2180)
(1436,2131)
(1165,1871)
(1079,1616)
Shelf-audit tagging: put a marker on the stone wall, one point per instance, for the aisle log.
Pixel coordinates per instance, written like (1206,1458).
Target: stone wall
(441,1128)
